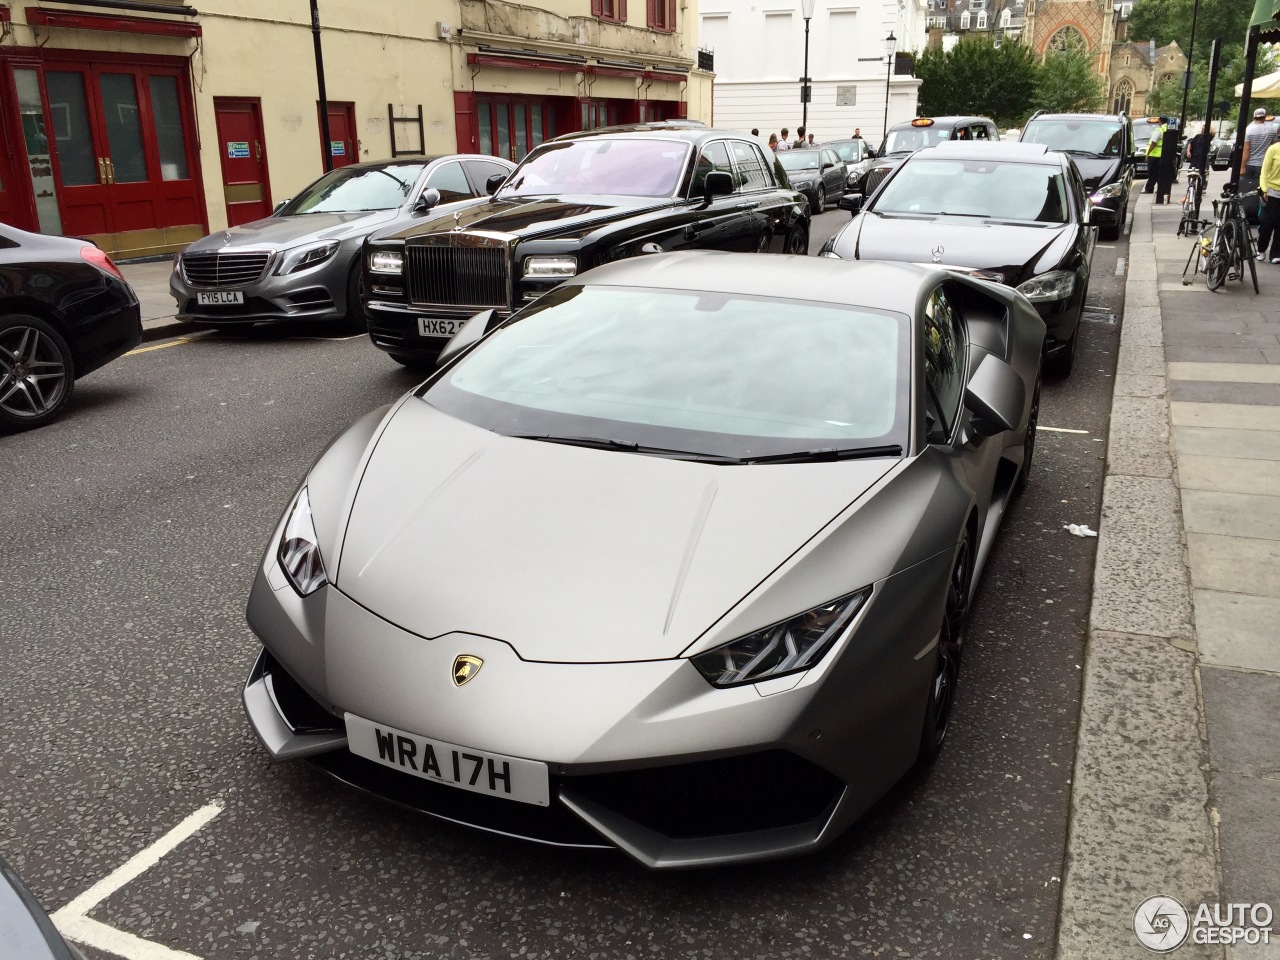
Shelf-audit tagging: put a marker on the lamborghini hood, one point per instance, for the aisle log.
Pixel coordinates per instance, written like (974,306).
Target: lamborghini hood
(566,553)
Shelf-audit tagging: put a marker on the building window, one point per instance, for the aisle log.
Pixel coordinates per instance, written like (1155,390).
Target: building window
(662,15)
(615,11)
(964,20)
(936,23)
(982,20)
(1006,15)
(1067,38)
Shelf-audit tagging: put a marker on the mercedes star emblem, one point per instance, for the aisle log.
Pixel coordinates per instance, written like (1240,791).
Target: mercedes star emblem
(937,254)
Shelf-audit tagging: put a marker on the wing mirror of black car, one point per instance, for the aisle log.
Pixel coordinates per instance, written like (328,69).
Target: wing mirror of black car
(472,331)
(429,198)
(995,396)
(851,202)
(280,206)
(827,166)
(718,184)
(493,183)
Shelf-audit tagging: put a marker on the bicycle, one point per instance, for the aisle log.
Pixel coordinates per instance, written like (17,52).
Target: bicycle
(1191,203)
(1223,255)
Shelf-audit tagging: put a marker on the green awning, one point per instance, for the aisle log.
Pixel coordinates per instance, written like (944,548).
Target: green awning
(1264,16)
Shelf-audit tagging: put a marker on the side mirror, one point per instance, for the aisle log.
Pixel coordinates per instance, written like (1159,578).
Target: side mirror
(827,166)
(280,206)
(428,199)
(717,184)
(470,332)
(995,396)
(493,183)
(851,202)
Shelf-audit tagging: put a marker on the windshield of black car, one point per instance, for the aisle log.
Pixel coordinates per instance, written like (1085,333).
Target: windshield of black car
(911,139)
(713,373)
(847,151)
(1102,138)
(1142,130)
(630,167)
(794,161)
(350,189)
(990,189)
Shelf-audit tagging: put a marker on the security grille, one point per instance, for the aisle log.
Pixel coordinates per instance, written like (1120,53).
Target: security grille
(454,269)
(223,269)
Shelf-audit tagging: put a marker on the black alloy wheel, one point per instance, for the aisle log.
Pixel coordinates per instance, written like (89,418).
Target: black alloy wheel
(355,320)
(1029,440)
(798,242)
(1060,363)
(762,243)
(946,671)
(37,373)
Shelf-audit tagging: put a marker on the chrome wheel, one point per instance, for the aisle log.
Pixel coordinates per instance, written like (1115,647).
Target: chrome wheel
(821,205)
(762,243)
(798,242)
(34,373)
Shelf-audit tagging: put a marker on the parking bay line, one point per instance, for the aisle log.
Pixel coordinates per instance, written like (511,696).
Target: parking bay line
(1060,429)
(73,920)
(158,346)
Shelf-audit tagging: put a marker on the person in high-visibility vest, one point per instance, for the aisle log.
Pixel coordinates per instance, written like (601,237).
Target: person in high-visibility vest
(1155,148)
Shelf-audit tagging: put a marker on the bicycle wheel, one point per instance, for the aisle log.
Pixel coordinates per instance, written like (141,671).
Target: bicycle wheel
(1215,271)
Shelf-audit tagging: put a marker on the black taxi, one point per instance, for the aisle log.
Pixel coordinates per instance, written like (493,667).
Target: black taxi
(579,200)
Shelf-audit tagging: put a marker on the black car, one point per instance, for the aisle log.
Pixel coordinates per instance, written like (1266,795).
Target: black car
(857,155)
(1012,213)
(1220,152)
(819,174)
(904,139)
(574,202)
(65,310)
(1102,147)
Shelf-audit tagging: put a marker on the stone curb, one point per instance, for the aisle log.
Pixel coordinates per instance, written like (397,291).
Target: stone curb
(163,329)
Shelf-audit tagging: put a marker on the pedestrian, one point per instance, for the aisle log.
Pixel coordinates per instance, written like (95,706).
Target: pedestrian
(755,131)
(1258,137)
(1197,154)
(857,133)
(1269,220)
(773,142)
(783,142)
(810,142)
(1155,147)
(799,138)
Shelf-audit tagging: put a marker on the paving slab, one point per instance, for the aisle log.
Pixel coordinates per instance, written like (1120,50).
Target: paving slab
(1239,444)
(1248,837)
(1243,515)
(1216,391)
(1240,630)
(1230,416)
(1139,359)
(1234,564)
(1225,372)
(1229,475)
(1240,712)
(1179,351)
(1177,326)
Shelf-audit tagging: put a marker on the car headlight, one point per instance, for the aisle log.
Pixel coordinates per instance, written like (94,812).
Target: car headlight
(787,647)
(299,553)
(550,268)
(1054,285)
(854,177)
(1110,191)
(802,184)
(308,255)
(386,261)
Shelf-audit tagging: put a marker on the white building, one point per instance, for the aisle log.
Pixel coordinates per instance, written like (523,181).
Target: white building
(759,49)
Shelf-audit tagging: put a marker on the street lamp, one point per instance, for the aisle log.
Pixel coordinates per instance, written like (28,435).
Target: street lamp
(890,44)
(806,8)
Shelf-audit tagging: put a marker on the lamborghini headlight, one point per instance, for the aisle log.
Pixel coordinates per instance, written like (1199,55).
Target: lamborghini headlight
(299,553)
(787,647)
(1054,285)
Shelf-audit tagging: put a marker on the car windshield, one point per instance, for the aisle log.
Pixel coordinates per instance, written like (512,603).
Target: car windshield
(717,374)
(911,139)
(846,150)
(1142,130)
(625,167)
(793,160)
(351,189)
(976,188)
(1101,138)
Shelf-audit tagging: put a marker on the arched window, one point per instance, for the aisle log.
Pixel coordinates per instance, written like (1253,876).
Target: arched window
(1067,38)
(1122,97)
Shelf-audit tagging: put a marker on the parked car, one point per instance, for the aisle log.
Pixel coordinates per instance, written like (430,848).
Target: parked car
(1143,127)
(1014,213)
(65,311)
(1102,147)
(26,932)
(303,262)
(857,156)
(1220,152)
(906,138)
(819,174)
(574,202)
(626,650)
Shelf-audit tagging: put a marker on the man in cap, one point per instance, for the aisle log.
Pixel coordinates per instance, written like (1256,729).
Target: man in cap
(1257,137)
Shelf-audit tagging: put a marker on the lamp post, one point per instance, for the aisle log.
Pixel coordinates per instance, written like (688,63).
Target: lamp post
(890,44)
(806,8)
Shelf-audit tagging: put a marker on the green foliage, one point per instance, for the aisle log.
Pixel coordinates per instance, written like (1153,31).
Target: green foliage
(1167,20)
(977,77)
(1068,83)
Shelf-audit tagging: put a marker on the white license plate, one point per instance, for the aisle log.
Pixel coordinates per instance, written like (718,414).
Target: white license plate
(430,327)
(220,297)
(455,766)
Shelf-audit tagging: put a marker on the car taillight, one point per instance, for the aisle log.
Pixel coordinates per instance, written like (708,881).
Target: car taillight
(100,260)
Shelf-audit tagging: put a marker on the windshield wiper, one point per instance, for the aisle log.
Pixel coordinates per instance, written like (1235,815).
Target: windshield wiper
(605,443)
(1083,153)
(820,454)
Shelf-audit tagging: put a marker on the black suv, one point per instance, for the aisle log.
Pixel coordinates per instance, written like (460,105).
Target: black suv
(579,200)
(904,139)
(1102,147)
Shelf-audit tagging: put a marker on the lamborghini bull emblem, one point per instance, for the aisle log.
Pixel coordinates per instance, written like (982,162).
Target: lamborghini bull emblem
(465,667)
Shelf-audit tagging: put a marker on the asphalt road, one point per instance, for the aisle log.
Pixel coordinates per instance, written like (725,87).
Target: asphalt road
(130,532)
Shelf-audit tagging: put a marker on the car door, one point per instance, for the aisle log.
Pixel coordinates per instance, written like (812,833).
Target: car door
(767,211)
(834,173)
(450,179)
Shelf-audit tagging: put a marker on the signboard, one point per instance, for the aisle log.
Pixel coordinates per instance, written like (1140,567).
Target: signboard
(237,149)
(338,148)
(847,95)
(806,93)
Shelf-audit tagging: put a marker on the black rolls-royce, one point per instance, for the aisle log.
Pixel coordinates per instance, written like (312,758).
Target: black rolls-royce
(574,202)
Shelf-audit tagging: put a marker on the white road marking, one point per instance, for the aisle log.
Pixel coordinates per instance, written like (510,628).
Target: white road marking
(73,920)
(1059,429)
(1120,264)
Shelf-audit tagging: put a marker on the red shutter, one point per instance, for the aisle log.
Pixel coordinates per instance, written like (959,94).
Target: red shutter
(597,7)
(650,9)
(622,11)
(671,15)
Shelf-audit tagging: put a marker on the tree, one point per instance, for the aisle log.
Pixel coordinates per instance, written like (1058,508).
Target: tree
(975,76)
(1068,82)
(1167,20)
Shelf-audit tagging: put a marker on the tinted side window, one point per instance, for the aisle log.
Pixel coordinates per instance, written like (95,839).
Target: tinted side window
(715,156)
(482,170)
(752,173)
(451,182)
(980,132)
(944,359)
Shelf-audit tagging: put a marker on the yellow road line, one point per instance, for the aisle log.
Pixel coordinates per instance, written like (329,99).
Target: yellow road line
(159,346)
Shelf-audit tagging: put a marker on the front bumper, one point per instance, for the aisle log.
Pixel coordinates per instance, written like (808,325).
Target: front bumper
(315,295)
(395,327)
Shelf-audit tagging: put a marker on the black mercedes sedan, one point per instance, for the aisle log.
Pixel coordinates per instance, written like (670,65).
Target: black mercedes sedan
(1013,213)
(65,310)
(574,202)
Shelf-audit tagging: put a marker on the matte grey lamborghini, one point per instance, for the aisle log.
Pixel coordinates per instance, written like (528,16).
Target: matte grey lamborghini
(677,559)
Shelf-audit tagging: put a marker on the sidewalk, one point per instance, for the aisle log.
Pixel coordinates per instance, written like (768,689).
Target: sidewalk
(1177,781)
(150,281)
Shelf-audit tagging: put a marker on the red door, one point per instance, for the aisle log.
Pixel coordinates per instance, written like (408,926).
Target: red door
(342,134)
(244,159)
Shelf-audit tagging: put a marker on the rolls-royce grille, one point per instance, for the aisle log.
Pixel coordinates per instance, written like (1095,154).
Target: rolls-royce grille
(873,180)
(223,269)
(465,276)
